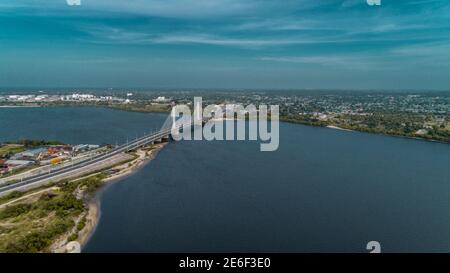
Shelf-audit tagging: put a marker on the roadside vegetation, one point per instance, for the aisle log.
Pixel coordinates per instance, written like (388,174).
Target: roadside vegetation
(33,224)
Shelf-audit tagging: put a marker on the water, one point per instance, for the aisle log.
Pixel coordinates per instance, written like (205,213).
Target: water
(324,190)
(76,125)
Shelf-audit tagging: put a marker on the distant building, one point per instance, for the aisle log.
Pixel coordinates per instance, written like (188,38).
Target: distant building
(3,166)
(422,132)
(106,98)
(79,97)
(40,97)
(17,164)
(2,163)
(161,99)
(53,160)
(85,147)
(55,149)
(29,154)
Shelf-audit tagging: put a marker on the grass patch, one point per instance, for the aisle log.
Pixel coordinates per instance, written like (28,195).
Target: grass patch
(14,211)
(11,149)
(33,227)
(143,107)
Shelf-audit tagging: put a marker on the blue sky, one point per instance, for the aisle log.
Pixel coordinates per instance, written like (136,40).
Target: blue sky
(300,44)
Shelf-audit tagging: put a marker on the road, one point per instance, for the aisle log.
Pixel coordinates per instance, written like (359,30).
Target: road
(88,163)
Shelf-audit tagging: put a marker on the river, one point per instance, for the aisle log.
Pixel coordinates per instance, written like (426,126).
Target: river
(324,190)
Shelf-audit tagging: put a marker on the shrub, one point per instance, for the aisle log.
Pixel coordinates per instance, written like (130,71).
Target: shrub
(14,211)
(73,237)
(81,224)
(63,204)
(39,240)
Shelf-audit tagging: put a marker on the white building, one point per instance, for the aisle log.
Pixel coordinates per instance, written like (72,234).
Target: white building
(161,99)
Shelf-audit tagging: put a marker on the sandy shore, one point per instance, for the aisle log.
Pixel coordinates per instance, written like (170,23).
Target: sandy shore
(339,128)
(93,205)
(94,212)
(92,218)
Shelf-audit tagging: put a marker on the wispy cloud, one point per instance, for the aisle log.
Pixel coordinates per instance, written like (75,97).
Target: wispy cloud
(347,61)
(226,41)
(161,8)
(176,8)
(428,49)
(253,35)
(107,34)
(398,58)
(428,54)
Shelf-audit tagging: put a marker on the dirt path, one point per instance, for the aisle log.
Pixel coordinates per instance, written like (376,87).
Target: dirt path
(27,196)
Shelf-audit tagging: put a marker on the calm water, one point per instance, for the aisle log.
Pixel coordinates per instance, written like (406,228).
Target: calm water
(76,125)
(323,190)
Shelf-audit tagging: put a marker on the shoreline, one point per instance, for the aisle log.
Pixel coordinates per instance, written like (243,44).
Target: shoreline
(339,128)
(19,106)
(384,134)
(93,202)
(423,139)
(282,119)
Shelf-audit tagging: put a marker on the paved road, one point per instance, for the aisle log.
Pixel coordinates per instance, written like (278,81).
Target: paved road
(86,163)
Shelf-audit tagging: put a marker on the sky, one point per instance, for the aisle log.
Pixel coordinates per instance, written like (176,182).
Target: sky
(252,44)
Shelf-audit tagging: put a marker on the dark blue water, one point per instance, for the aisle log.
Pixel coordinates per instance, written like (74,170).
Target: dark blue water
(76,125)
(323,191)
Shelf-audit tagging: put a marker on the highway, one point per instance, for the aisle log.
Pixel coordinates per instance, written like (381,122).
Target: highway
(36,179)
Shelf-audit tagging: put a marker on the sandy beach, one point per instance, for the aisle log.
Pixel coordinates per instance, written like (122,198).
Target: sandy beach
(94,212)
(92,202)
(339,128)
(92,218)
